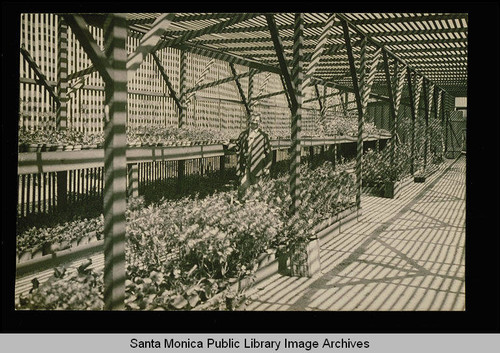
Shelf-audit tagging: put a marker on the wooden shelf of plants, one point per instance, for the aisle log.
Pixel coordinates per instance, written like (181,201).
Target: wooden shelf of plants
(191,242)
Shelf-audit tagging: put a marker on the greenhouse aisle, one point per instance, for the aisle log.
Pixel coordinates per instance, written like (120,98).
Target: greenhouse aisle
(403,254)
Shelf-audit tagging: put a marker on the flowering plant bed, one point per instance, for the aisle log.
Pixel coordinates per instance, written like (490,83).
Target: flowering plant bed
(181,253)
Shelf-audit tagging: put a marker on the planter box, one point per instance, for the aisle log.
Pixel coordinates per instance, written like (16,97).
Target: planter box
(388,189)
(374,190)
(39,263)
(305,261)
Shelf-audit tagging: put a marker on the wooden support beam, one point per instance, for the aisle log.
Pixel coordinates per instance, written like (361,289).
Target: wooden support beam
(182,88)
(62,75)
(216,83)
(443,123)
(318,50)
(188,35)
(167,81)
(426,115)
(200,79)
(359,105)
(133,180)
(149,42)
(41,78)
(115,162)
(270,95)
(367,87)
(392,108)
(413,111)
(89,70)
(250,91)
(278,46)
(287,96)
(398,89)
(87,41)
(263,86)
(295,90)
(240,90)
(380,45)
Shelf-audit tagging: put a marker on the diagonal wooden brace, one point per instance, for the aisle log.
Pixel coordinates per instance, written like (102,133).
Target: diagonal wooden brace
(167,81)
(149,42)
(278,46)
(318,50)
(98,58)
(207,30)
(240,90)
(40,76)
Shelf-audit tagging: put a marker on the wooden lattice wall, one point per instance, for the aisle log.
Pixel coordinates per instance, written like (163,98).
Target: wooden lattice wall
(149,103)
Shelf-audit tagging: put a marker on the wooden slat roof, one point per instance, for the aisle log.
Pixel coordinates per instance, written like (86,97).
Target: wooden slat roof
(434,44)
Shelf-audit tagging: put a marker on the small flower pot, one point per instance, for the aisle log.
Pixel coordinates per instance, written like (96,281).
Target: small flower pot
(77,147)
(68,148)
(60,147)
(53,147)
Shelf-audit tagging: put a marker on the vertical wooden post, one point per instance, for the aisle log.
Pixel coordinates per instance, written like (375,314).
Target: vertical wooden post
(297,78)
(392,108)
(182,88)
(115,43)
(413,115)
(133,180)
(426,115)
(62,75)
(293,83)
(354,76)
(443,125)
(251,89)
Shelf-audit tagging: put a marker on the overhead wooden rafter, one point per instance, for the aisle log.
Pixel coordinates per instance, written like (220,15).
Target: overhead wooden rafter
(435,45)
